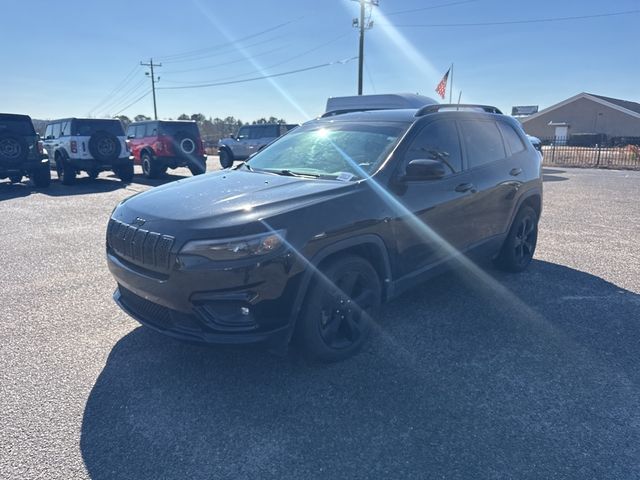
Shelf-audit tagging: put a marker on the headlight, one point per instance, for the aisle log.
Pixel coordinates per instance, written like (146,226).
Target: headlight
(236,248)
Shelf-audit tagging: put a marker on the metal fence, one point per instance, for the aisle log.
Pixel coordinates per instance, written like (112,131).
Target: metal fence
(562,153)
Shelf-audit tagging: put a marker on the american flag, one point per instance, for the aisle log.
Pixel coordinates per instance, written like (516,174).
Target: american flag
(441,89)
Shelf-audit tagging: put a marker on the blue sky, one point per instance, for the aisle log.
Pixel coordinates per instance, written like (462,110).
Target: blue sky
(66,57)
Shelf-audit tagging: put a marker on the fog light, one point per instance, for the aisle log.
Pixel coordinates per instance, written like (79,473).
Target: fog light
(244,311)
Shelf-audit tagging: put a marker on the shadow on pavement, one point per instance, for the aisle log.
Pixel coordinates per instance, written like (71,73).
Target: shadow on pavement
(461,381)
(553,175)
(83,185)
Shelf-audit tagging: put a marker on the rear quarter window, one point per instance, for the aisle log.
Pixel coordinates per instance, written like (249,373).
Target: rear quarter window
(482,141)
(172,129)
(511,138)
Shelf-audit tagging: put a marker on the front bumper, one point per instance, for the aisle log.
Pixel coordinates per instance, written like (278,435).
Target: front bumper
(250,304)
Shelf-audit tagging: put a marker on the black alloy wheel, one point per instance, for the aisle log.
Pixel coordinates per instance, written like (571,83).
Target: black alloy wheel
(338,316)
(520,244)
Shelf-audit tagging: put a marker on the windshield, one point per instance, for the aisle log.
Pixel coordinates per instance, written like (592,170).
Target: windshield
(172,129)
(331,149)
(89,127)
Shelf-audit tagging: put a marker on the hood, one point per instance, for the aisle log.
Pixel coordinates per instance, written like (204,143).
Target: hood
(228,199)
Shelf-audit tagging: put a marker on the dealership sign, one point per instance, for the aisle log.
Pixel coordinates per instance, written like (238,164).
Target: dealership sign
(524,111)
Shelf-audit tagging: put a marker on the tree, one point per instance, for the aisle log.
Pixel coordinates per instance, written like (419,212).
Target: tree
(124,120)
(141,118)
(184,116)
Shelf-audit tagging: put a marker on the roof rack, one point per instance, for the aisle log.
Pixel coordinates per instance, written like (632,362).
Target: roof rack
(458,106)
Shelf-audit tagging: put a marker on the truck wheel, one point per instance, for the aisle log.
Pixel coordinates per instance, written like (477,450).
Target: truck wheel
(340,304)
(66,173)
(125,172)
(41,177)
(150,167)
(518,248)
(197,167)
(226,158)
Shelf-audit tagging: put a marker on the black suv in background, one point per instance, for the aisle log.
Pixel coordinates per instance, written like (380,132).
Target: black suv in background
(315,231)
(21,151)
(161,144)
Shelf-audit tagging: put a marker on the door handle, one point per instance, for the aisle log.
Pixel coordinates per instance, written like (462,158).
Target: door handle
(466,187)
(515,172)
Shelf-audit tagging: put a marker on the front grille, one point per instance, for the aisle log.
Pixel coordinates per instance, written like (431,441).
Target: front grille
(148,248)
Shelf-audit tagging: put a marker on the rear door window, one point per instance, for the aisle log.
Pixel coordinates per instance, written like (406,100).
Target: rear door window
(172,129)
(438,141)
(55,130)
(482,141)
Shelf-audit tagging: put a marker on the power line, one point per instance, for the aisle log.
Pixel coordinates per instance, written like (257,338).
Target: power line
(132,103)
(183,57)
(281,74)
(432,7)
(123,83)
(287,60)
(515,22)
(124,97)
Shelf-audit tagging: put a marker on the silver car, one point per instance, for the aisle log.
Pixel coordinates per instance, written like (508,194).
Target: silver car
(249,139)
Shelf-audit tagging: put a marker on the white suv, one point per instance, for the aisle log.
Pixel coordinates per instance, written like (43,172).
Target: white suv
(88,145)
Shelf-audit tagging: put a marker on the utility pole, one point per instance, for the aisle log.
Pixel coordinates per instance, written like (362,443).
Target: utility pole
(363,24)
(153,83)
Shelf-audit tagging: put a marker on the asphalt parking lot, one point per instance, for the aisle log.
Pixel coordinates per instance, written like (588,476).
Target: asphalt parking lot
(534,375)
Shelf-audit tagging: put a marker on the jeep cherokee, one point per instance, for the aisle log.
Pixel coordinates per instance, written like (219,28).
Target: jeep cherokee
(308,237)
(88,145)
(21,151)
(158,145)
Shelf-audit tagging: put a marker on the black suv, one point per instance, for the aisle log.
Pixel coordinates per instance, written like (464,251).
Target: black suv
(21,151)
(308,237)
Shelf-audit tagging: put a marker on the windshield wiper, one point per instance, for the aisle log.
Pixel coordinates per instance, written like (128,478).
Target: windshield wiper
(290,173)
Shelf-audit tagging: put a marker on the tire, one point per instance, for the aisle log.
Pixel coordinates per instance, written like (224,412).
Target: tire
(17,178)
(125,172)
(151,168)
(226,158)
(13,148)
(41,177)
(337,316)
(104,146)
(520,245)
(185,145)
(66,173)
(197,167)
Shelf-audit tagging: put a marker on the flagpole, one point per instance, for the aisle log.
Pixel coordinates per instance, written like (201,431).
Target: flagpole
(451,85)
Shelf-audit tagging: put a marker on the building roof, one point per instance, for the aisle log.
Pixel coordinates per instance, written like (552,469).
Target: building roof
(624,106)
(633,106)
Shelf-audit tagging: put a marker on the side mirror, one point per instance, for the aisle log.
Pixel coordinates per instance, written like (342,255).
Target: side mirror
(49,137)
(424,169)
(131,136)
(231,135)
